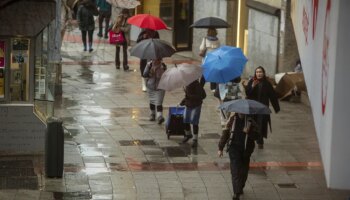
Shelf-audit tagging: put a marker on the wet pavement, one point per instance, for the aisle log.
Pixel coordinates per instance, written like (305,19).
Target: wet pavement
(112,151)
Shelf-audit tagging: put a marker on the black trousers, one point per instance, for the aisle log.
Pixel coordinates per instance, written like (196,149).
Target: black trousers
(239,163)
(106,16)
(125,55)
(143,63)
(83,37)
(202,82)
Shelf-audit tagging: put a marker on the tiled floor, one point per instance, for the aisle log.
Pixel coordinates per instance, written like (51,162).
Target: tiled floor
(112,151)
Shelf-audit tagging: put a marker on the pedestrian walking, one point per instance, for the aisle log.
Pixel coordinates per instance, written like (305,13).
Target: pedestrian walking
(227,92)
(261,90)
(104,14)
(85,16)
(209,43)
(240,147)
(153,72)
(122,26)
(145,34)
(194,95)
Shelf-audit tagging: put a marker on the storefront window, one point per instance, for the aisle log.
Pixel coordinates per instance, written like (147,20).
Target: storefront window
(43,70)
(19,87)
(166,12)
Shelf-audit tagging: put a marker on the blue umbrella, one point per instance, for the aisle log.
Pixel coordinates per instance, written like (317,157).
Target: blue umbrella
(223,64)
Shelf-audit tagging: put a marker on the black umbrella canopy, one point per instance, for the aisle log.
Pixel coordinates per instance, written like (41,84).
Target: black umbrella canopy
(152,49)
(210,22)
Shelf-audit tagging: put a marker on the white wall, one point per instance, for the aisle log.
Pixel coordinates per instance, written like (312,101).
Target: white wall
(323,43)
(262,42)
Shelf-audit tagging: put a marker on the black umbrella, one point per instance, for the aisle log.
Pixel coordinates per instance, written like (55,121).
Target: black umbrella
(152,49)
(210,22)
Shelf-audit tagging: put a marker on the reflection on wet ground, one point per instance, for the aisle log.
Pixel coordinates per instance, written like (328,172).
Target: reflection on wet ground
(72,195)
(136,142)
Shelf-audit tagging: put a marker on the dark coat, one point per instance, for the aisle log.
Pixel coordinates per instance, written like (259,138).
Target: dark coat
(264,93)
(193,95)
(146,34)
(85,16)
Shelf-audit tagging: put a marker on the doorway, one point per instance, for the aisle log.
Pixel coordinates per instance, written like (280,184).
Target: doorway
(183,18)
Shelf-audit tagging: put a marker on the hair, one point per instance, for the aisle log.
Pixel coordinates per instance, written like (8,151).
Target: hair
(262,69)
(212,32)
(237,80)
(125,11)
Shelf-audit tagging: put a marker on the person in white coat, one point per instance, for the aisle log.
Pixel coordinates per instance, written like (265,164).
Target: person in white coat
(209,43)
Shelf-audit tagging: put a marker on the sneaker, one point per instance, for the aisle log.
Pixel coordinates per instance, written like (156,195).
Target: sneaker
(90,50)
(161,119)
(84,48)
(195,144)
(152,117)
(187,138)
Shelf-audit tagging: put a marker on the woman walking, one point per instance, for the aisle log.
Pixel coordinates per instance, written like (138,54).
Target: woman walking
(153,72)
(260,89)
(122,26)
(145,34)
(209,43)
(194,95)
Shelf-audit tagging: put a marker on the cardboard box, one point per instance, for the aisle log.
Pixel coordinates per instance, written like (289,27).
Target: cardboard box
(290,82)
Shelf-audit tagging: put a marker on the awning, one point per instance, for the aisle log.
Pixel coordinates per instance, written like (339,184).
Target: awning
(25,18)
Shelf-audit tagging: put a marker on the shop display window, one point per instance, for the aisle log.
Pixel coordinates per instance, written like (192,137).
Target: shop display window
(19,69)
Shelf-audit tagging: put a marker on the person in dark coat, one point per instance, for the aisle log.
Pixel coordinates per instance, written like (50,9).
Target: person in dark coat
(261,90)
(85,16)
(194,95)
(240,147)
(104,13)
(145,34)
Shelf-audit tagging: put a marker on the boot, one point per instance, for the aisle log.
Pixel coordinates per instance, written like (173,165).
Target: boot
(90,47)
(160,117)
(194,143)
(152,116)
(144,88)
(188,136)
(84,46)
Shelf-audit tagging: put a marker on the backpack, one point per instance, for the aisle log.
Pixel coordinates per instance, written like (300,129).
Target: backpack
(233,91)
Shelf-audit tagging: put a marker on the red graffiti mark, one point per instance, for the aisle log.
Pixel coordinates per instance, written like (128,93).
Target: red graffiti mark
(305,23)
(325,57)
(314,17)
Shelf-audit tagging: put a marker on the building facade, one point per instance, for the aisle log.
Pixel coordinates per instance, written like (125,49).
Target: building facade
(28,62)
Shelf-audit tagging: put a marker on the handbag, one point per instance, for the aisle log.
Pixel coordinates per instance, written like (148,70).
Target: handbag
(116,38)
(204,51)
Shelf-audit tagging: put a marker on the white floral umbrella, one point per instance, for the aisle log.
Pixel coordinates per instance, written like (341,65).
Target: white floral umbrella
(129,4)
(179,76)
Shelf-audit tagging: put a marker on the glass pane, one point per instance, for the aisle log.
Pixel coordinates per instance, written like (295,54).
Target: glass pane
(19,87)
(166,12)
(2,69)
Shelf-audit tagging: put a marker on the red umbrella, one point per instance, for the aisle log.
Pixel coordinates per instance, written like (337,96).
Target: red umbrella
(147,21)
